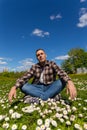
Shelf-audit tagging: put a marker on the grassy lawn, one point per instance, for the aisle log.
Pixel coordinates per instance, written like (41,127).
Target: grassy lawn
(49,115)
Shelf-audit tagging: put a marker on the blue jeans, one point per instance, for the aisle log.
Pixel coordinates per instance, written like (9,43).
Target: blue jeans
(43,91)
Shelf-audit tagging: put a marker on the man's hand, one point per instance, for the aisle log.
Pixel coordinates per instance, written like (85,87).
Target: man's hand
(12,94)
(71,90)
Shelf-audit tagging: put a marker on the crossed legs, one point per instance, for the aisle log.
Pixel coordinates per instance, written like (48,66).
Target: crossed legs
(42,91)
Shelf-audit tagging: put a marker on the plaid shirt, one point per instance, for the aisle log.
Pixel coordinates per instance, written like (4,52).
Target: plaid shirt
(51,70)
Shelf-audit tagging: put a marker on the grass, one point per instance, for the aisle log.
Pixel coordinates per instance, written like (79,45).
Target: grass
(45,110)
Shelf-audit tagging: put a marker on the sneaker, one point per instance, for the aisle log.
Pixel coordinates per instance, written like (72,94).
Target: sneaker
(57,97)
(26,98)
(29,99)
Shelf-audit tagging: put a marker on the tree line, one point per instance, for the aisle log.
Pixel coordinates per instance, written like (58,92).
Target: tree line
(77,59)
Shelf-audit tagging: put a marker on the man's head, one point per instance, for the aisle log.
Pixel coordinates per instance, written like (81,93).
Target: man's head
(41,55)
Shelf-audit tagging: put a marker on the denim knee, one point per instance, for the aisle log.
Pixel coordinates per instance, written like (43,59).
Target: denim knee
(44,97)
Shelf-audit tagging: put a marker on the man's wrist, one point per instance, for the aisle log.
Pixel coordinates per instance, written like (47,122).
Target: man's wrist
(15,87)
(69,81)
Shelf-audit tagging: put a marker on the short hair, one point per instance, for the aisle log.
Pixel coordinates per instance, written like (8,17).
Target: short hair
(39,50)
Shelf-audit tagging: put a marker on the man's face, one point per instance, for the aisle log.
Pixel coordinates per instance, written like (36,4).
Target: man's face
(41,56)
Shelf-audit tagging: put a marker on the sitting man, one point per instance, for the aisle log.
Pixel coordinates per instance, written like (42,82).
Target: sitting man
(44,84)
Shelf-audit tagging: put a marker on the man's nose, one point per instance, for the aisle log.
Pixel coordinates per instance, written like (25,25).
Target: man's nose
(40,55)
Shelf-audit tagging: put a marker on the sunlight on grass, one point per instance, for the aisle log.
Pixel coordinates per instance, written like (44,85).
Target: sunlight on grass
(48,115)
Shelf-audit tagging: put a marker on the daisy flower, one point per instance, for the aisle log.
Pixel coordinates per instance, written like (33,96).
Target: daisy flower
(48,128)
(61,120)
(85,126)
(74,108)
(68,123)
(47,120)
(77,127)
(38,128)
(2,117)
(47,124)
(5,126)
(15,115)
(54,123)
(39,122)
(24,127)
(65,112)
(42,127)
(72,117)
(11,111)
(7,119)
(80,115)
(14,127)
(15,107)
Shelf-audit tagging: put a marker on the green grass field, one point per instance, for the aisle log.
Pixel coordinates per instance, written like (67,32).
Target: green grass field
(48,115)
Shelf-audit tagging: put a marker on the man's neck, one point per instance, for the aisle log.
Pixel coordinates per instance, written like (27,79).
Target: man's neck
(42,63)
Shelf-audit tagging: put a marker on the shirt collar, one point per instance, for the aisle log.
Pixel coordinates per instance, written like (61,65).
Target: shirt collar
(46,63)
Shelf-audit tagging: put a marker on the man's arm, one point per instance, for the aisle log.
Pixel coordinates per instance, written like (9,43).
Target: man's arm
(20,82)
(64,76)
(12,94)
(71,89)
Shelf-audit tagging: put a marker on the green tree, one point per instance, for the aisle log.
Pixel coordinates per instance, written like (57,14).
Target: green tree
(67,66)
(77,59)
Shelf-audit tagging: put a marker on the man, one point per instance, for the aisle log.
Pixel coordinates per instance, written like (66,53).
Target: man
(44,84)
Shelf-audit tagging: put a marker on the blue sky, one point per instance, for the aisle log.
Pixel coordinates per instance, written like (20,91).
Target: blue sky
(57,26)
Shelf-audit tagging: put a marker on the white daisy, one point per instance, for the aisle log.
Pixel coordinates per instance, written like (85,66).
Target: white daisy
(80,115)
(68,123)
(7,119)
(38,128)
(54,123)
(14,127)
(2,117)
(15,107)
(39,122)
(65,112)
(5,126)
(24,127)
(72,117)
(77,126)
(85,126)
(74,108)
(48,128)
(11,111)
(42,127)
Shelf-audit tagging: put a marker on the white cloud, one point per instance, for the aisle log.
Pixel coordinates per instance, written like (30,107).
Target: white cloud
(40,33)
(62,57)
(82,18)
(2,61)
(82,11)
(3,64)
(1,58)
(25,64)
(82,1)
(20,68)
(54,17)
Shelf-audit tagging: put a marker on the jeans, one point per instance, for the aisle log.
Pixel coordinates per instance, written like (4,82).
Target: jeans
(43,91)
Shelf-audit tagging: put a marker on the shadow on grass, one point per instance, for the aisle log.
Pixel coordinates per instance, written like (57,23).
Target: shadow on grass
(15,103)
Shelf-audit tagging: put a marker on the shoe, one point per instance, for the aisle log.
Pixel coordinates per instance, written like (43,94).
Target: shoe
(29,99)
(26,98)
(57,97)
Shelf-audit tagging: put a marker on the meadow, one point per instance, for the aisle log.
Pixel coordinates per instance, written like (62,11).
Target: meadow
(48,115)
